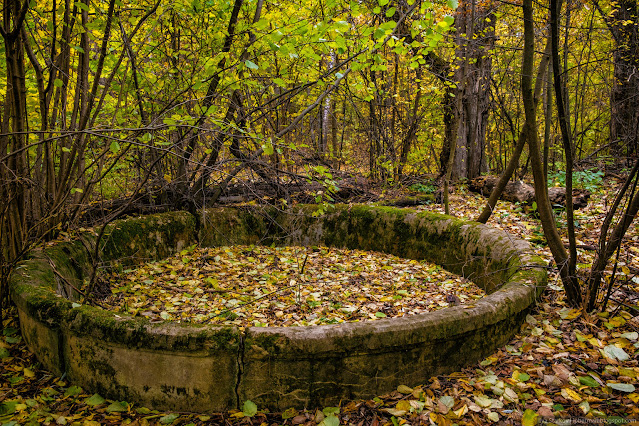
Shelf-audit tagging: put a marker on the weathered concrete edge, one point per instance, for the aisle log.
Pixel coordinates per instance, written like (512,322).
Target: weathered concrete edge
(64,326)
(119,356)
(356,361)
(515,297)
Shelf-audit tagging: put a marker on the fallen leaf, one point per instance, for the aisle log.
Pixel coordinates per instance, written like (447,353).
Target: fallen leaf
(395,412)
(169,418)
(404,389)
(483,401)
(571,395)
(530,418)
(249,409)
(117,407)
(94,400)
(613,352)
(622,387)
(330,421)
(588,381)
(447,401)
(290,412)
(403,405)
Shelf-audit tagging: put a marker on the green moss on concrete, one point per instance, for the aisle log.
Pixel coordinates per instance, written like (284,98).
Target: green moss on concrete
(237,225)
(36,272)
(73,264)
(414,200)
(40,303)
(140,333)
(277,367)
(151,237)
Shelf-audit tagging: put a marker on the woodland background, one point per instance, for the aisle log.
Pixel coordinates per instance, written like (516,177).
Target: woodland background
(116,107)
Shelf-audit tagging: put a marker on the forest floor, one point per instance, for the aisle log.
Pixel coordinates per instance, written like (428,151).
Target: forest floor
(563,367)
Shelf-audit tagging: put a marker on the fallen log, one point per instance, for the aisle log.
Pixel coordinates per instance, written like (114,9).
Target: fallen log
(410,201)
(520,192)
(167,197)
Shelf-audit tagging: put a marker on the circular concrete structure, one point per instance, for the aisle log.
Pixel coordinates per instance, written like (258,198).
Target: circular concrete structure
(190,367)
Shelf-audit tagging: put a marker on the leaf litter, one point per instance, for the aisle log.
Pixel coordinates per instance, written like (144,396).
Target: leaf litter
(561,368)
(285,286)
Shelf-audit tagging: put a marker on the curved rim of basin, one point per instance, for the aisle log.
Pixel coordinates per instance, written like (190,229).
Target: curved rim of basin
(194,367)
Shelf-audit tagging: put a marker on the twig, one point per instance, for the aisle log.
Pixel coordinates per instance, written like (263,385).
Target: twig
(66,282)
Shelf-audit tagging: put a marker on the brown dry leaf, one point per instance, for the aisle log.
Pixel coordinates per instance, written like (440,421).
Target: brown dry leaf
(562,372)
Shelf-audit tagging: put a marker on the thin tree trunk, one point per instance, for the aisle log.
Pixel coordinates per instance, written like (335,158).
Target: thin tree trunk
(547,121)
(562,116)
(544,208)
(326,114)
(609,245)
(513,162)
(15,179)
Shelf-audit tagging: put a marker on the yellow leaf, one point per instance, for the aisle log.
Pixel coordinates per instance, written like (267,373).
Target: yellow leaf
(404,389)
(28,373)
(530,418)
(461,412)
(617,321)
(571,395)
(594,342)
(403,405)
(569,314)
(417,392)
(439,420)
(395,412)
(628,372)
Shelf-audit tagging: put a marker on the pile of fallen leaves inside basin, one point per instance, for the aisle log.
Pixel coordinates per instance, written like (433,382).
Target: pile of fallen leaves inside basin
(285,286)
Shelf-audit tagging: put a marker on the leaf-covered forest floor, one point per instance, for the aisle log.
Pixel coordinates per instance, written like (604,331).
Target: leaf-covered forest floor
(563,366)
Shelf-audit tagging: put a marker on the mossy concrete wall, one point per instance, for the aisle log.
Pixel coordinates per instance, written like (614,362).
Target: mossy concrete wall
(202,368)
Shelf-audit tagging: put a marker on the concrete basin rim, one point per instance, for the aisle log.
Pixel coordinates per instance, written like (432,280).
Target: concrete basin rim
(489,307)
